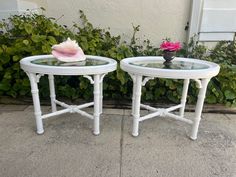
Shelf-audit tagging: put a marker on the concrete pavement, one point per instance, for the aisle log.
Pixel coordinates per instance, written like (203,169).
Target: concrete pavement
(69,149)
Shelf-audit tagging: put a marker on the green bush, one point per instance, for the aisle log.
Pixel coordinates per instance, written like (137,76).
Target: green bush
(33,34)
(223,87)
(25,35)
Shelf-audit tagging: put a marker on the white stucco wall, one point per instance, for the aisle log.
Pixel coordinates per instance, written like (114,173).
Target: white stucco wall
(12,7)
(7,7)
(158,18)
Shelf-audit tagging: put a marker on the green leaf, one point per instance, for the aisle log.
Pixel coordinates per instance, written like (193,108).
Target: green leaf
(35,38)
(52,40)
(120,76)
(230,95)
(16,58)
(7,75)
(4,86)
(4,47)
(28,28)
(149,96)
(83,84)
(38,38)
(25,82)
(211,99)
(56,32)
(46,49)
(83,38)
(233,67)
(26,42)
(84,45)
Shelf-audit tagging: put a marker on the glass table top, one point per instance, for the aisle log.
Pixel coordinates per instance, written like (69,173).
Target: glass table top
(175,65)
(55,62)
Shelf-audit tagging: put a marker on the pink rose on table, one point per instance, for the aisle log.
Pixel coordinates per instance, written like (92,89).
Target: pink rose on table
(68,51)
(170,46)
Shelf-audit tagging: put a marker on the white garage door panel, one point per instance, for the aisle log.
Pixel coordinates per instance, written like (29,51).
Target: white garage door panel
(218,20)
(219,3)
(213,20)
(216,36)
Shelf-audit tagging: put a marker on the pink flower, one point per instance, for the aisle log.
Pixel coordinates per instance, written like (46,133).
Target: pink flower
(170,46)
(68,51)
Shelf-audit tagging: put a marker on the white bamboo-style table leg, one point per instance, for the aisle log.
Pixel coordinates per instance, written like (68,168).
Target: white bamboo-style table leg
(136,103)
(184,97)
(35,95)
(133,97)
(198,109)
(96,92)
(52,92)
(101,96)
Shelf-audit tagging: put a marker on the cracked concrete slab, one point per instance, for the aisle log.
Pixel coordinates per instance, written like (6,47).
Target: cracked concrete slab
(164,149)
(8,108)
(68,147)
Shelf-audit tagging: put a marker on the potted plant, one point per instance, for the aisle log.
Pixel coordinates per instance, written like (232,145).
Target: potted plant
(169,49)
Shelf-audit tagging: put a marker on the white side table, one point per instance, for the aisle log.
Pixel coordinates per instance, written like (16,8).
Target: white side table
(142,69)
(93,68)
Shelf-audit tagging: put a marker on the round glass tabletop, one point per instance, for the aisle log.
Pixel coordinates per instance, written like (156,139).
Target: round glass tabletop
(176,65)
(55,62)
(48,64)
(179,68)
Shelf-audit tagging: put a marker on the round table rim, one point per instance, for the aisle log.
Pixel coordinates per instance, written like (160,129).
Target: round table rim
(212,71)
(28,66)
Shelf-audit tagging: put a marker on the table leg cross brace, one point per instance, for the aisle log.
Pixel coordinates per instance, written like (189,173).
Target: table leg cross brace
(70,109)
(163,113)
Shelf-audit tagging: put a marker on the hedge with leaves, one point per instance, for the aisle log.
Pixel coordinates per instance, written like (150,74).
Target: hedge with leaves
(34,34)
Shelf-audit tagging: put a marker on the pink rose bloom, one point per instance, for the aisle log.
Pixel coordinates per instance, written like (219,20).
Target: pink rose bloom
(68,51)
(170,46)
